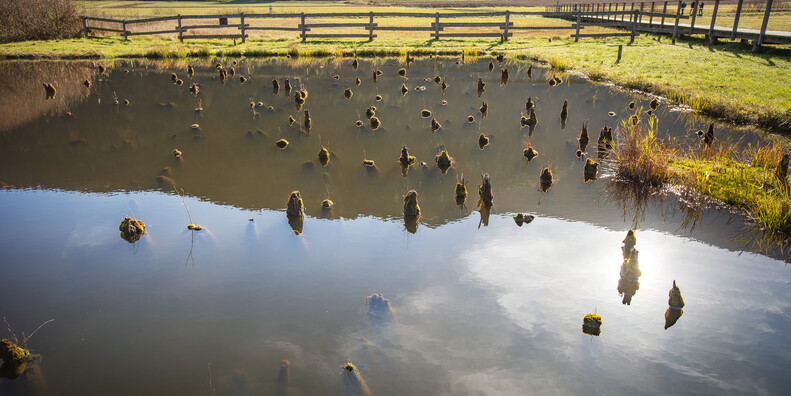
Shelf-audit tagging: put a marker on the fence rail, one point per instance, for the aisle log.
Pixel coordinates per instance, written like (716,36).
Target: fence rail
(237,26)
(639,18)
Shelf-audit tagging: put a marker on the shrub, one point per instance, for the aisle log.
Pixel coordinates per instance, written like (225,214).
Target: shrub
(38,20)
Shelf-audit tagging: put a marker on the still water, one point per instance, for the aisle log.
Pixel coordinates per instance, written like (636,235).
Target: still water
(477,304)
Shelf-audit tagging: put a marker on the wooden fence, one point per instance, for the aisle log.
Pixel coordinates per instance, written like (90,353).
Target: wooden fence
(237,26)
(639,19)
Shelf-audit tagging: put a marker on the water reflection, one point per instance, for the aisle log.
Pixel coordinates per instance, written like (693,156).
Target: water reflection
(629,282)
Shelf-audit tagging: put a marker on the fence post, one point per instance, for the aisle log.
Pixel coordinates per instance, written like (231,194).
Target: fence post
(243,33)
(712,39)
(651,18)
(675,27)
(694,16)
(507,21)
(624,10)
(609,8)
(631,13)
(634,25)
(123,27)
(371,26)
(304,31)
(181,31)
(757,43)
(85,25)
(436,26)
(579,22)
(642,4)
(736,19)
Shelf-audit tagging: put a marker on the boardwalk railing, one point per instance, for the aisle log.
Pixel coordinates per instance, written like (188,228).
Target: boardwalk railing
(644,17)
(321,25)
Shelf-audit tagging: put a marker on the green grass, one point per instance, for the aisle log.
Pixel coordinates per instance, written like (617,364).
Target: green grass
(743,179)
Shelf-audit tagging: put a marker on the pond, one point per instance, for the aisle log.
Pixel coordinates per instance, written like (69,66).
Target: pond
(460,301)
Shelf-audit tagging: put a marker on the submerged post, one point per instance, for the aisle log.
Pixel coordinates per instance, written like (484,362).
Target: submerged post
(757,43)
(304,31)
(736,19)
(371,27)
(675,27)
(712,39)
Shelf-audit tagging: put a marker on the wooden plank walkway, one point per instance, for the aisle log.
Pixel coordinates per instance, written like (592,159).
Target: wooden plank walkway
(642,20)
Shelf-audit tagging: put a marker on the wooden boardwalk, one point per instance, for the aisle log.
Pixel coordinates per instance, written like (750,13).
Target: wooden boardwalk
(650,22)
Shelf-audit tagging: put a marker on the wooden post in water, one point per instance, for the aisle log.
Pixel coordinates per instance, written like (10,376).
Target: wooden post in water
(694,16)
(651,18)
(436,26)
(85,25)
(241,17)
(675,27)
(579,22)
(304,31)
(664,11)
(123,27)
(371,26)
(757,43)
(181,31)
(712,39)
(736,19)
(507,21)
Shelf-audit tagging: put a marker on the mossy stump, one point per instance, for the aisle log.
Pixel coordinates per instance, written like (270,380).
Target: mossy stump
(411,206)
(675,301)
(12,353)
(131,229)
(294,207)
(591,324)
(485,190)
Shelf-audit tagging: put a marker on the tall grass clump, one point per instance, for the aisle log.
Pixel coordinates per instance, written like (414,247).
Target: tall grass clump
(558,63)
(640,157)
(38,20)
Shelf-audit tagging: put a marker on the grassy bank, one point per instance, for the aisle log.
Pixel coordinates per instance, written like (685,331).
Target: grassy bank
(726,81)
(747,180)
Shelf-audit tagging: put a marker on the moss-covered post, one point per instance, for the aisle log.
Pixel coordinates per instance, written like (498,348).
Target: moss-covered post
(712,39)
(302,25)
(736,19)
(181,30)
(757,43)
(675,27)
(241,17)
